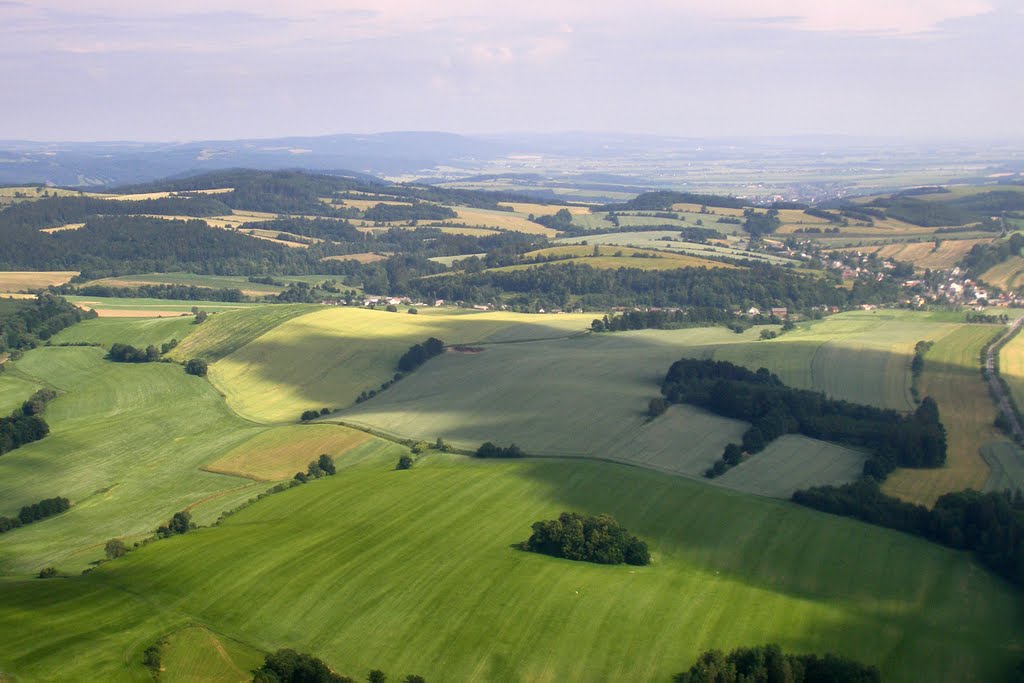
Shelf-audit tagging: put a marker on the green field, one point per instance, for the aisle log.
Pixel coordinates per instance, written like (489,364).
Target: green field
(134,331)
(197,654)
(655,240)
(152,307)
(420,577)
(328,357)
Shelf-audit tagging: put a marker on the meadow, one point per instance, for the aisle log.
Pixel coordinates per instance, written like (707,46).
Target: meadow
(414,572)
(1007,275)
(115,307)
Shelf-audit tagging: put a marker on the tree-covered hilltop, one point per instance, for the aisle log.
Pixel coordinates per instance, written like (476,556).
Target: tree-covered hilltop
(25,323)
(569,284)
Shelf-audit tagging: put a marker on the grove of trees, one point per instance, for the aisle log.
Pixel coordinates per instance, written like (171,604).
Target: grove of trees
(587,538)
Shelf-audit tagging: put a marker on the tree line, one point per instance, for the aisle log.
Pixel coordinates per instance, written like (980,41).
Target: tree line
(418,354)
(774,409)
(491,450)
(288,666)
(991,525)
(769,664)
(587,538)
(26,424)
(35,512)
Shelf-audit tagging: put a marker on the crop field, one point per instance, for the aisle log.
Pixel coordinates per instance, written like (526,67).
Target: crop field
(62,228)
(280,453)
(16,281)
(1011,368)
(137,332)
(794,462)
(331,566)
(226,332)
(544,209)
(620,257)
(116,307)
(366,257)
(327,358)
(583,397)
(940,254)
(189,279)
(502,220)
(952,377)
(860,356)
(656,240)
(1008,275)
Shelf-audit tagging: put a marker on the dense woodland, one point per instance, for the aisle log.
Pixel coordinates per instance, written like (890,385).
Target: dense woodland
(25,323)
(773,409)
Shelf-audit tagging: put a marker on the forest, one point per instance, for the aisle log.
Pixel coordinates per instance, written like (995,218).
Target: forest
(25,323)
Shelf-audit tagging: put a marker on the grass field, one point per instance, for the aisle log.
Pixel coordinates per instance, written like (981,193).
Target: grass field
(226,332)
(414,572)
(115,307)
(328,357)
(627,257)
(952,377)
(125,446)
(137,332)
(195,653)
(655,240)
(16,281)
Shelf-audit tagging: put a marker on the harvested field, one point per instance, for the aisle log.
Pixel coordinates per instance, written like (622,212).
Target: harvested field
(280,453)
(925,254)
(16,280)
(62,228)
(544,209)
(366,257)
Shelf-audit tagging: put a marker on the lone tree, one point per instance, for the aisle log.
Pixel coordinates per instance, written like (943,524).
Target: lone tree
(197,367)
(404,463)
(115,548)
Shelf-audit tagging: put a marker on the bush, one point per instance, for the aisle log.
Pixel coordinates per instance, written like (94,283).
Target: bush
(48,573)
(180,523)
(197,367)
(404,463)
(308,415)
(115,548)
(412,311)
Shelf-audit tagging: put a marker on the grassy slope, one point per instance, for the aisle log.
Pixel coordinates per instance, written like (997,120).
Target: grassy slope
(197,654)
(425,562)
(226,332)
(326,358)
(137,332)
(125,445)
(1011,367)
(155,306)
(280,453)
(952,377)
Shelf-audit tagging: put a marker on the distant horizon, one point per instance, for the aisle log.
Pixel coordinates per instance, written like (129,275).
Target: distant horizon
(104,70)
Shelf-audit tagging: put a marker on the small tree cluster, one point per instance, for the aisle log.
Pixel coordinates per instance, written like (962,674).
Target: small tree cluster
(587,538)
(115,548)
(404,463)
(126,353)
(321,467)
(418,354)
(35,512)
(490,450)
(48,573)
(37,402)
(180,523)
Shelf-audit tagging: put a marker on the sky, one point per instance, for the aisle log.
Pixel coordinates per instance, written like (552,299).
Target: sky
(228,69)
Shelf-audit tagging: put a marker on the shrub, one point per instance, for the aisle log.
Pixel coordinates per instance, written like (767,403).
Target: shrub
(197,367)
(404,463)
(48,573)
(308,415)
(115,548)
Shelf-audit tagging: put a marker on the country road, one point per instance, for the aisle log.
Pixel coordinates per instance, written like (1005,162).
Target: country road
(997,387)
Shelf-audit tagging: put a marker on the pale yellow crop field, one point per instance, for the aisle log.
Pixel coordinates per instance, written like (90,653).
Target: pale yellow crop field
(544,209)
(14,281)
(62,228)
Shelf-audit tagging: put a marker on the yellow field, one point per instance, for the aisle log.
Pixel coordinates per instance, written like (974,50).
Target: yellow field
(1008,275)
(280,453)
(14,281)
(62,228)
(327,357)
(544,209)
(364,204)
(953,378)
(502,220)
(160,195)
(716,210)
(127,312)
(473,232)
(366,257)
(923,254)
(606,258)
(1011,367)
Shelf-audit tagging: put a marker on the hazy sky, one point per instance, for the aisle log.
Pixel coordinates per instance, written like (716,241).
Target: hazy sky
(203,69)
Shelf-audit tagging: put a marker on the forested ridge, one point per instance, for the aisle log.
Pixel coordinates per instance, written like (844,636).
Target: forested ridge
(24,323)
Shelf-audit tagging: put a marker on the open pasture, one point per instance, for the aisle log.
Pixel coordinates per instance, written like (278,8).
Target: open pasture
(18,281)
(190,279)
(952,377)
(328,357)
(621,257)
(195,653)
(656,240)
(329,567)
(228,331)
(135,331)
